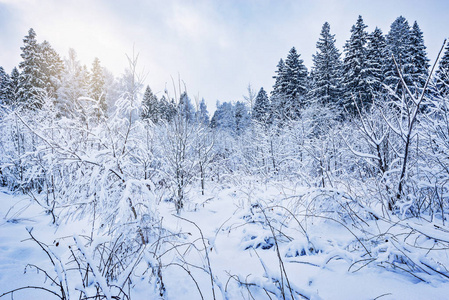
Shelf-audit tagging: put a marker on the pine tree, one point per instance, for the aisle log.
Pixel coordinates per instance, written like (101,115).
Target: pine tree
(13,88)
(74,84)
(398,46)
(167,110)
(51,67)
(261,109)
(96,85)
(5,82)
(326,74)
(295,75)
(279,84)
(290,88)
(376,50)
(31,83)
(355,79)
(163,109)
(186,108)
(150,106)
(241,117)
(418,57)
(442,74)
(202,113)
(224,117)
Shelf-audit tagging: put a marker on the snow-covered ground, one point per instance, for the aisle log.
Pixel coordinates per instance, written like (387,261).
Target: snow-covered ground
(236,242)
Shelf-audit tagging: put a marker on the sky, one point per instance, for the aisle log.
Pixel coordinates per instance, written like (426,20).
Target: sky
(215,48)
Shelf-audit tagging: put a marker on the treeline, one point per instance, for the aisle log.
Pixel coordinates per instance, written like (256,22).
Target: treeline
(369,68)
(43,74)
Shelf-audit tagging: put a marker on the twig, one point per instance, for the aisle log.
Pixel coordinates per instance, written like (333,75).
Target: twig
(206,251)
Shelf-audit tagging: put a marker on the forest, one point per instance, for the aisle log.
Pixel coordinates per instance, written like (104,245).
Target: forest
(331,185)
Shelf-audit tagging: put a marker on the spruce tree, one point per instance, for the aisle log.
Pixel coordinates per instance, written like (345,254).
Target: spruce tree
(167,109)
(326,74)
(186,108)
(398,46)
(96,84)
(241,117)
(442,74)
(51,67)
(290,88)
(261,109)
(163,109)
(355,78)
(31,83)
(150,106)
(224,117)
(5,82)
(376,51)
(279,84)
(13,88)
(203,114)
(74,84)
(295,74)
(418,58)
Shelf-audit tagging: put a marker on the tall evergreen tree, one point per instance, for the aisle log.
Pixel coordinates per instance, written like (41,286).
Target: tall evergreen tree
(167,109)
(150,106)
(261,109)
(13,88)
(295,75)
(376,51)
(224,117)
(51,67)
(241,117)
(418,57)
(96,84)
(279,84)
(74,84)
(31,82)
(442,74)
(5,82)
(290,87)
(355,79)
(326,73)
(398,46)
(202,113)
(186,108)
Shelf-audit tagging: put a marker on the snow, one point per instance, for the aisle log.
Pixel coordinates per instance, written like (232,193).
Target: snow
(327,263)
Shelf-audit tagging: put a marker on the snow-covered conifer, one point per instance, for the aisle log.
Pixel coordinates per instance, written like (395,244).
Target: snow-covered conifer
(261,109)
(13,88)
(73,84)
(278,87)
(186,108)
(242,117)
(398,46)
(418,57)
(96,84)
(326,73)
(31,83)
(224,117)
(202,113)
(442,74)
(51,67)
(150,106)
(5,82)
(376,48)
(355,75)
(290,88)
